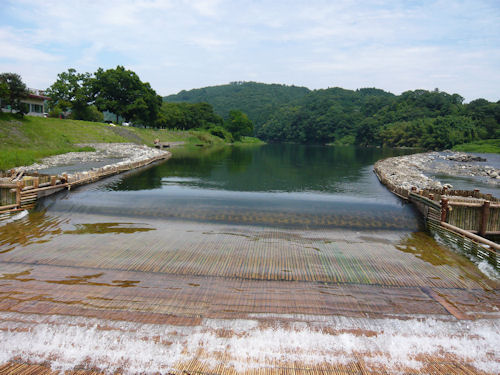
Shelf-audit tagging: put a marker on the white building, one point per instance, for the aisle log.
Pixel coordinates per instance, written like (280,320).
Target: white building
(35,101)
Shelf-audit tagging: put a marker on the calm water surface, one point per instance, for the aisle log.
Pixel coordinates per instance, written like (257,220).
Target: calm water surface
(284,185)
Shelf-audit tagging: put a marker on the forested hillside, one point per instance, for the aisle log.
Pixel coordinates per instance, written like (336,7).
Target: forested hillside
(369,116)
(258,100)
(420,118)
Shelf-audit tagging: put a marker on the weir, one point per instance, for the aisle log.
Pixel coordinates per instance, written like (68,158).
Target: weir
(207,264)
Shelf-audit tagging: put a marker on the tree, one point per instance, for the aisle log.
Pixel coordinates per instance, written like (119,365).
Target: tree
(14,90)
(238,124)
(4,90)
(121,92)
(69,90)
(72,91)
(188,116)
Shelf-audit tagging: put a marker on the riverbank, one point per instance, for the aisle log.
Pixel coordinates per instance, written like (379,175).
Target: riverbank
(23,186)
(418,170)
(105,155)
(28,140)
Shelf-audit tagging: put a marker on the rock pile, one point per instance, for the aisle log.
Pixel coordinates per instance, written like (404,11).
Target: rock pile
(128,152)
(413,170)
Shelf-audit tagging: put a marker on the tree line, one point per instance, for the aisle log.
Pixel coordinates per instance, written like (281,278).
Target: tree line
(85,96)
(368,116)
(419,118)
(122,93)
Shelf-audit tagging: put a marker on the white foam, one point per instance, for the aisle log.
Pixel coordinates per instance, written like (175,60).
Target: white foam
(488,270)
(9,218)
(66,342)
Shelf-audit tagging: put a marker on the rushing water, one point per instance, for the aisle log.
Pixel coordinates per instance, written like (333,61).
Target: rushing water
(236,258)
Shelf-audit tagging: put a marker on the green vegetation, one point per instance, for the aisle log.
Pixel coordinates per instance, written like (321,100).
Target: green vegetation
(486,146)
(259,101)
(369,116)
(82,96)
(239,125)
(25,141)
(12,90)
(188,116)
(424,119)
(118,90)
(121,92)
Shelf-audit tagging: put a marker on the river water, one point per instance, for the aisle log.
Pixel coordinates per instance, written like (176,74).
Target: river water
(239,258)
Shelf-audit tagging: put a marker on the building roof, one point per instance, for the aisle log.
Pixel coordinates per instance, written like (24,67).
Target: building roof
(37,94)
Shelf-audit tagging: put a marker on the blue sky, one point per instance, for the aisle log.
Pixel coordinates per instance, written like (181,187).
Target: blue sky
(184,44)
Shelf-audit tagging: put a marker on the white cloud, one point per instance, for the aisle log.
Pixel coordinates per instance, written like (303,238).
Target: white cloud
(180,44)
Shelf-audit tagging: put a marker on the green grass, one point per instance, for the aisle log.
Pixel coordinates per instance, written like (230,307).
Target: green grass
(488,146)
(249,141)
(27,140)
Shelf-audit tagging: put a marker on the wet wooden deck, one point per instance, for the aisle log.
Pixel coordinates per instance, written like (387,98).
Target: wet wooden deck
(181,274)
(196,368)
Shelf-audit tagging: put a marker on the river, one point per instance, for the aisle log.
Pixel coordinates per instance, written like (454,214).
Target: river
(240,258)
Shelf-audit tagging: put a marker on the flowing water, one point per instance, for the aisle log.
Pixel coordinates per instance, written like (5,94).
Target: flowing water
(241,259)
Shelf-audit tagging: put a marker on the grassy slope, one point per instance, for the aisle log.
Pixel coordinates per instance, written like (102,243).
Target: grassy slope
(486,146)
(24,141)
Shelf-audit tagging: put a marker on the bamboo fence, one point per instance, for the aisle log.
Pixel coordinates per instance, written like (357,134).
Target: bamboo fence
(461,217)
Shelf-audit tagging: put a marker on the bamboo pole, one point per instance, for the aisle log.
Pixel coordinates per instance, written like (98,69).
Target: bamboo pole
(444,209)
(472,236)
(8,207)
(18,194)
(485,214)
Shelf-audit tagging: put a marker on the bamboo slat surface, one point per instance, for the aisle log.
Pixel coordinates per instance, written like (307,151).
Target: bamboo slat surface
(179,274)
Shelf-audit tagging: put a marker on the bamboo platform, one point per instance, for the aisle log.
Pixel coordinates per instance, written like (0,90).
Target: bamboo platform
(75,270)
(197,368)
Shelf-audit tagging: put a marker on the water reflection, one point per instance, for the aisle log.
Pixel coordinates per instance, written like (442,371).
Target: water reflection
(278,168)
(287,186)
(100,228)
(37,227)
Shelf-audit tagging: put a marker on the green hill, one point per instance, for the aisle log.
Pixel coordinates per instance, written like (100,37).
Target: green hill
(419,118)
(258,100)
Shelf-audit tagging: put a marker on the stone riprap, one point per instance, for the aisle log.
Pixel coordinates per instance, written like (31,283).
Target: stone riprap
(127,152)
(413,170)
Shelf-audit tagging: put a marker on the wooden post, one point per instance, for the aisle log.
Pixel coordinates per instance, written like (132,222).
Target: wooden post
(444,209)
(485,214)
(36,182)
(476,193)
(52,180)
(18,194)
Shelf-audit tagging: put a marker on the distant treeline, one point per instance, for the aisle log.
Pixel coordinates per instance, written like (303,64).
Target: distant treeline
(420,118)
